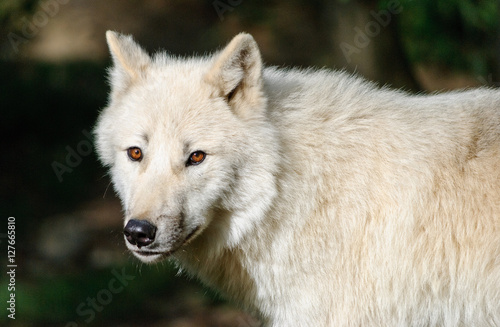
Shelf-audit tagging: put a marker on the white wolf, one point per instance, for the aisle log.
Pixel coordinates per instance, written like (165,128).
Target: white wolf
(313,198)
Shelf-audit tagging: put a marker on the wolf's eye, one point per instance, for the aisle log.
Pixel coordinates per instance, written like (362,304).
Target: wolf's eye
(134,153)
(196,158)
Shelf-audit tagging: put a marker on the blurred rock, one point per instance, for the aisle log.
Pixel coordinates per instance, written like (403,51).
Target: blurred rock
(90,236)
(62,238)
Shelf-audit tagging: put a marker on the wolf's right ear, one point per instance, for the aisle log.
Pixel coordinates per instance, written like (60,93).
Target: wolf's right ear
(236,75)
(129,60)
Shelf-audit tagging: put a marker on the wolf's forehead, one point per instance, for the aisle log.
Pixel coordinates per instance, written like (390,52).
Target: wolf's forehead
(173,96)
(171,106)
(170,70)
(178,84)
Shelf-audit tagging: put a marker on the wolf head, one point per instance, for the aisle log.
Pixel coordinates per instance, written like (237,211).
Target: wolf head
(190,151)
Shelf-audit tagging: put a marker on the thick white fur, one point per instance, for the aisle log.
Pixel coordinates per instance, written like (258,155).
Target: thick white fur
(323,200)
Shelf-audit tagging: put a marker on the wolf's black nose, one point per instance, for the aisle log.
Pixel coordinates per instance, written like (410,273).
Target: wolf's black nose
(139,232)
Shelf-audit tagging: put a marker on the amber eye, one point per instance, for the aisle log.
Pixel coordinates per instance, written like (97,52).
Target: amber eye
(196,158)
(134,153)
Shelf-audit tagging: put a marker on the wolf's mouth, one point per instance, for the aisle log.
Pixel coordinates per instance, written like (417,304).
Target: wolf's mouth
(150,253)
(146,253)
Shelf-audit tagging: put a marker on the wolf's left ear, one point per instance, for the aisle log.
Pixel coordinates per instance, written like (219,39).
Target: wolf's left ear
(236,75)
(129,59)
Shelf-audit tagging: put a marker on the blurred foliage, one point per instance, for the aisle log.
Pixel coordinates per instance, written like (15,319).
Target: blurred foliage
(48,301)
(458,34)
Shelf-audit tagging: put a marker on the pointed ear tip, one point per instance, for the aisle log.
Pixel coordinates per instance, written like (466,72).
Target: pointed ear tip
(111,36)
(243,36)
(110,33)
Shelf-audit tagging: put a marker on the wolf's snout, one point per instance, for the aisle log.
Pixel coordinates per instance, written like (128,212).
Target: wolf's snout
(139,232)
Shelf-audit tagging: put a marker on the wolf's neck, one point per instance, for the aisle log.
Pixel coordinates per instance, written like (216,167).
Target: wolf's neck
(243,273)
(221,269)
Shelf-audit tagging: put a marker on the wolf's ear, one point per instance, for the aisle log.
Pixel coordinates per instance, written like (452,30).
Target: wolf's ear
(129,60)
(236,74)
